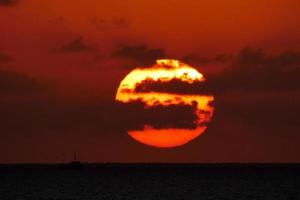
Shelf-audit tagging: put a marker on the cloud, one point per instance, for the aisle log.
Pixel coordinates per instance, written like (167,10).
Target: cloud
(55,114)
(194,59)
(273,112)
(134,115)
(199,60)
(255,89)
(140,53)
(174,85)
(39,115)
(253,70)
(222,58)
(8,2)
(259,90)
(77,45)
(17,84)
(5,58)
(260,116)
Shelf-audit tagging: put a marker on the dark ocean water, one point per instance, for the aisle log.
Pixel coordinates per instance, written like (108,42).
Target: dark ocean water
(152,181)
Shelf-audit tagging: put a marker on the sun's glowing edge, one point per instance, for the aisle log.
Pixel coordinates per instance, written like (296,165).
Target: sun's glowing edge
(164,138)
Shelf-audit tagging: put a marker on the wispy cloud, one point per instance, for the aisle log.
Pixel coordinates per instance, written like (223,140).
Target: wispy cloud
(13,83)
(140,53)
(4,58)
(77,45)
(202,60)
(8,2)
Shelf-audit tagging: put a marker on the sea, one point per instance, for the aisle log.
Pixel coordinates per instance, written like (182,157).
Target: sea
(150,181)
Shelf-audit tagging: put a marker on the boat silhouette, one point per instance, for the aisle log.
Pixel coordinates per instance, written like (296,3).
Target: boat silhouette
(73,165)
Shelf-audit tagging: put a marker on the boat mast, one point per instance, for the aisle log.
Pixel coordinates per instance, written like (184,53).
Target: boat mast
(75,156)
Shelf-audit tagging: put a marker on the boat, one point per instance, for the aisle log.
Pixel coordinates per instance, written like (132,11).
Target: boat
(73,165)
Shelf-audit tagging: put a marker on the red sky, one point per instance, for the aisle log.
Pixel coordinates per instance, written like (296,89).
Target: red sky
(61,63)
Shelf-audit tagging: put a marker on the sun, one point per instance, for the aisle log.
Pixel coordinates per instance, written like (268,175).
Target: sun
(152,86)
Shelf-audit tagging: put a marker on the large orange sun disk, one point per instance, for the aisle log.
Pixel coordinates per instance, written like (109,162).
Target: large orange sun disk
(166,70)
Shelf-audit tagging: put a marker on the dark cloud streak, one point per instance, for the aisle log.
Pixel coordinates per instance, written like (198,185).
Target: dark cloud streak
(253,70)
(140,53)
(174,85)
(8,2)
(17,84)
(4,58)
(134,115)
(77,45)
(200,60)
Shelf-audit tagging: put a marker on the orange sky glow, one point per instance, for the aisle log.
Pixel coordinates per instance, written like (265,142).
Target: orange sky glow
(66,66)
